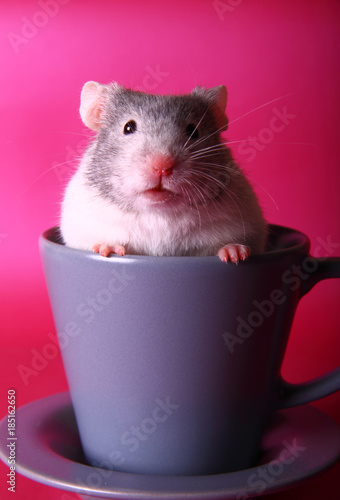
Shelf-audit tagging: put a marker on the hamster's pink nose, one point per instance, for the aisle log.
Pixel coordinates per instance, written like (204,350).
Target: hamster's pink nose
(162,164)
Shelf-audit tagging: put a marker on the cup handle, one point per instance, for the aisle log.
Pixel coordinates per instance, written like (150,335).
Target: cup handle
(297,394)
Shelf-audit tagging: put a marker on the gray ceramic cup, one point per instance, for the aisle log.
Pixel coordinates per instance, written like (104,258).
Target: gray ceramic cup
(173,363)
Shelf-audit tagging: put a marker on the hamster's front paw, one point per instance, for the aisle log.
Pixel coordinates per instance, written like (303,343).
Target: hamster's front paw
(234,253)
(105,250)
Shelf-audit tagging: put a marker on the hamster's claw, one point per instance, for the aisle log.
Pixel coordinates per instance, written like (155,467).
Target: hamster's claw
(105,250)
(234,253)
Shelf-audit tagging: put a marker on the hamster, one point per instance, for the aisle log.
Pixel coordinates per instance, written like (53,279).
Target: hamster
(158,180)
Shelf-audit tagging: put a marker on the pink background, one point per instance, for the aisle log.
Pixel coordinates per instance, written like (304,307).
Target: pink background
(274,57)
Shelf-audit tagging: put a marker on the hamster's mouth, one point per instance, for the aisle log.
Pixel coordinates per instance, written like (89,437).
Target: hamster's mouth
(159,195)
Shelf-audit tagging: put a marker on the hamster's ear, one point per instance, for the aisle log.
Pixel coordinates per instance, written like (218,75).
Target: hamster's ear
(218,99)
(91,104)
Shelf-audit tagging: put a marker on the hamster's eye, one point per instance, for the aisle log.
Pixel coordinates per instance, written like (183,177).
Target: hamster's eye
(130,127)
(192,131)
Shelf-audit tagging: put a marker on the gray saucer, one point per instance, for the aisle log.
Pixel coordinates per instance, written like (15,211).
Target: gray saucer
(299,443)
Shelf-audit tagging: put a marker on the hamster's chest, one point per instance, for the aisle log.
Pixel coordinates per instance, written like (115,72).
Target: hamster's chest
(152,233)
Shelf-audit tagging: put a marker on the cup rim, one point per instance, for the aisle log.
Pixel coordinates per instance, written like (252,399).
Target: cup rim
(290,241)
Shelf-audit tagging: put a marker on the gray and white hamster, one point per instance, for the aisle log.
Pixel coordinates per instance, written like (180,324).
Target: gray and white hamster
(158,179)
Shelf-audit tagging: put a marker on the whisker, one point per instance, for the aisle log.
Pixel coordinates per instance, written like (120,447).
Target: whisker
(211,178)
(216,168)
(237,141)
(204,154)
(215,147)
(192,201)
(200,121)
(267,193)
(196,188)
(236,203)
(209,193)
(87,133)
(205,137)
(204,186)
(259,107)
(42,175)
(251,140)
